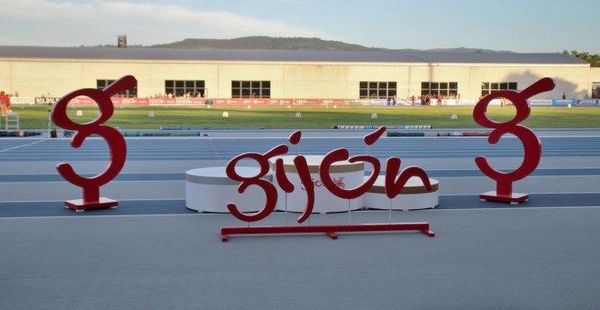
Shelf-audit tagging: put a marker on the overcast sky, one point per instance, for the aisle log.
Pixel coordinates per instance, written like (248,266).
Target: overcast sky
(516,25)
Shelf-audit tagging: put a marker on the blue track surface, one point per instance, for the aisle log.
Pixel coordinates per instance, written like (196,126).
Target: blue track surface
(132,207)
(181,176)
(52,151)
(153,253)
(224,149)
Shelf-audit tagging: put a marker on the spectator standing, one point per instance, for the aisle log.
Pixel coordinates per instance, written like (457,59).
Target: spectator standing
(4,103)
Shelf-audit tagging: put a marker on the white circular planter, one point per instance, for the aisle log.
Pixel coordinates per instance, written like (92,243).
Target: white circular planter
(210,190)
(413,196)
(346,174)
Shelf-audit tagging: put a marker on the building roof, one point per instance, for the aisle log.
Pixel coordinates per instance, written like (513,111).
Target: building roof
(403,56)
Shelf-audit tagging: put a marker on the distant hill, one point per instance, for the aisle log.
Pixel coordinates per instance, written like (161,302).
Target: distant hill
(295,43)
(290,43)
(466,50)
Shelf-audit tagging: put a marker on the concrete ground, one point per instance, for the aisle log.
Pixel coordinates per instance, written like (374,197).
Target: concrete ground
(480,259)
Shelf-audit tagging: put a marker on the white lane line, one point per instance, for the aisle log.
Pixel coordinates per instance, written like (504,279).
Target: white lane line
(508,207)
(243,224)
(272,135)
(177,199)
(20,146)
(530,193)
(112,182)
(343,135)
(120,200)
(106,216)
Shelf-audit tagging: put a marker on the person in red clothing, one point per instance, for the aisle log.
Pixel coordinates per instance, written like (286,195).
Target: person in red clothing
(4,103)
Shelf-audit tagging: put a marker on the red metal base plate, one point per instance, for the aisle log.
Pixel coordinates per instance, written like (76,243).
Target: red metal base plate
(79,205)
(329,230)
(514,198)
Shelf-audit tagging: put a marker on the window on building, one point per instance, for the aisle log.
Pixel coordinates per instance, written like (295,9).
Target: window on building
(445,89)
(129,93)
(377,90)
(181,88)
(490,87)
(251,89)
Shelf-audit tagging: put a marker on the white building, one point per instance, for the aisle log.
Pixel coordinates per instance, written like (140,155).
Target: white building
(55,71)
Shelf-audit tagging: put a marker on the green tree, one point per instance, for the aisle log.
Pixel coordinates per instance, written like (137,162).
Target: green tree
(592,59)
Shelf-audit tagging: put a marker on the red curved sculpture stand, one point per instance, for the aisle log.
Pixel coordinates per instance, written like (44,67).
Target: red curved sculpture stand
(114,139)
(393,187)
(531,143)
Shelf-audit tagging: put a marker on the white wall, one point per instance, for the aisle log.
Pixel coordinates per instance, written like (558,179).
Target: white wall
(36,77)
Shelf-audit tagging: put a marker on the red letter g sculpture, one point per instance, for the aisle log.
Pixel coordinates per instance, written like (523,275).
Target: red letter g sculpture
(114,139)
(531,144)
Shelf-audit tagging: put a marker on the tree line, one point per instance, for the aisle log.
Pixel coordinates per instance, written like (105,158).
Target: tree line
(592,59)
